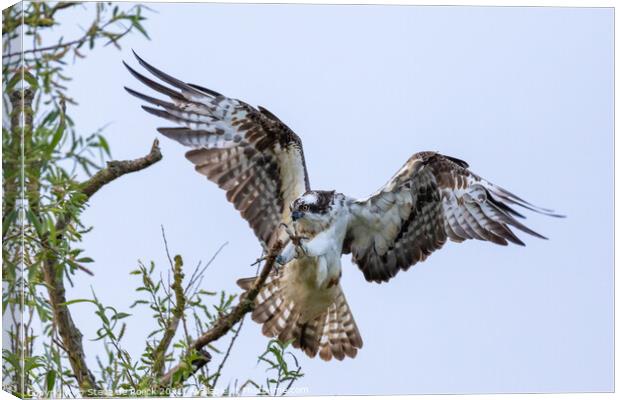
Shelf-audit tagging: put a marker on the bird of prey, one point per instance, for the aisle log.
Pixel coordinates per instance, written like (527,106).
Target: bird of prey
(259,162)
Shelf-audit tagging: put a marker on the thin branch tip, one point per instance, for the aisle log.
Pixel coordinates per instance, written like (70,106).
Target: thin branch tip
(225,322)
(155,147)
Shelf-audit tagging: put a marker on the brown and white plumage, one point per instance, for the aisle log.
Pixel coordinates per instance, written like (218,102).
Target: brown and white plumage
(260,164)
(318,320)
(432,198)
(248,152)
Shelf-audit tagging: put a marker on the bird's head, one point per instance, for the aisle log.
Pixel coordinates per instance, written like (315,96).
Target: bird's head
(315,209)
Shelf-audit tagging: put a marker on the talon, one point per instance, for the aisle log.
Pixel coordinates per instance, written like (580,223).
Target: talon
(299,250)
(290,232)
(277,265)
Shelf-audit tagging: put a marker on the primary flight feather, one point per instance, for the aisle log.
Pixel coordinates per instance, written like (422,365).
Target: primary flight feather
(259,162)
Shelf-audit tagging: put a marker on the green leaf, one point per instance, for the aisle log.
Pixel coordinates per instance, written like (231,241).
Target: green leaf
(58,134)
(122,332)
(8,221)
(68,303)
(50,380)
(15,79)
(139,27)
(51,116)
(135,303)
(34,220)
(120,315)
(103,143)
(52,230)
(32,81)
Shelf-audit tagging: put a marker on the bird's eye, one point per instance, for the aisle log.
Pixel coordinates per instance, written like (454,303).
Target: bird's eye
(304,207)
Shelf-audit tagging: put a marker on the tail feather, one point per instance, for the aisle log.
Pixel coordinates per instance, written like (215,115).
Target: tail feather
(332,334)
(267,304)
(290,318)
(353,339)
(340,335)
(278,321)
(310,336)
(245,283)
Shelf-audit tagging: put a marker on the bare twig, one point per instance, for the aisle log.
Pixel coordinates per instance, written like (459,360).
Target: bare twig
(163,235)
(290,384)
(218,372)
(199,272)
(224,323)
(246,383)
(53,47)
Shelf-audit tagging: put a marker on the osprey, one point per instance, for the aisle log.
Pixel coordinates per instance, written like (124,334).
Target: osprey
(259,162)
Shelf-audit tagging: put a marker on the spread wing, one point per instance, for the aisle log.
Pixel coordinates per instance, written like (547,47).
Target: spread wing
(432,198)
(248,152)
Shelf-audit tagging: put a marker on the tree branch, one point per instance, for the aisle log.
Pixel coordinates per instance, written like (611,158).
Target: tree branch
(53,275)
(159,354)
(223,324)
(117,169)
(52,47)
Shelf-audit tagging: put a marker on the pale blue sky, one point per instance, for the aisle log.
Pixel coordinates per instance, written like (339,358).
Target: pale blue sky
(523,94)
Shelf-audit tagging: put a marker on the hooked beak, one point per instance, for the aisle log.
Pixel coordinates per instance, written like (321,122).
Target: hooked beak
(296,215)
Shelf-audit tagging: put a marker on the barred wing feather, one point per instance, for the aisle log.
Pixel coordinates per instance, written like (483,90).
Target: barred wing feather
(248,152)
(432,198)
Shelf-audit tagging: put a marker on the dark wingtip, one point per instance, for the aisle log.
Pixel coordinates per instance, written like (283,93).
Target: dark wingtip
(154,85)
(153,110)
(168,132)
(156,111)
(135,54)
(206,90)
(168,78)
(514,239)
(544,211)
(133,71)
(538,235)
(152,100)
(131,91)
(141,60)
(174,134)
